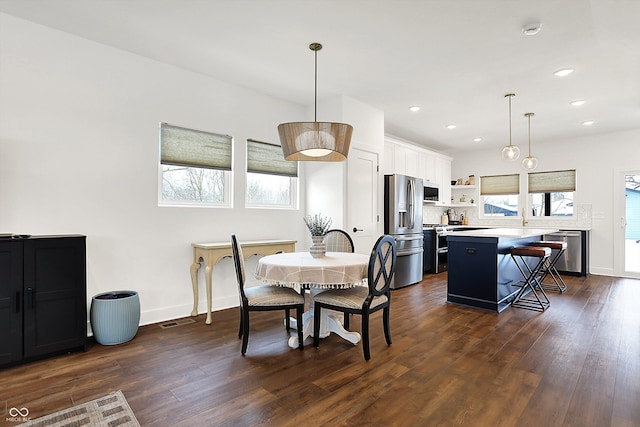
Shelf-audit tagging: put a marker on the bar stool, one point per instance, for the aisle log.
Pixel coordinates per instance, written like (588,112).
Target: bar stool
(549,268)
(538,300)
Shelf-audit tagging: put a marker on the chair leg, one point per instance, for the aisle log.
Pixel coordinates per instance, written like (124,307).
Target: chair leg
(245,332)
(287,322)
(299,312)
(365,336)
(316,325)
(241,323)
(385,322)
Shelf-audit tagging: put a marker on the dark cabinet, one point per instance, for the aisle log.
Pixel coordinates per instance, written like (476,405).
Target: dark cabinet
(429,254)
(43,303)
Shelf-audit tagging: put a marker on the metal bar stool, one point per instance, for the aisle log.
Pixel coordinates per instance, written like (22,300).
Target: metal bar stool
(536,299)
(549,268)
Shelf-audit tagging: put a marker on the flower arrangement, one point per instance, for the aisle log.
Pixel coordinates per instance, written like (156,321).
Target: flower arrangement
(317,224)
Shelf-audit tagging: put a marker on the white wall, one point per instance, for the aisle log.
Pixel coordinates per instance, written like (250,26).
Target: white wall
(78,154)
(595,158)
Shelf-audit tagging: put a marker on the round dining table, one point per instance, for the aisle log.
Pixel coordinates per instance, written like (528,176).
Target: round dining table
(335,270)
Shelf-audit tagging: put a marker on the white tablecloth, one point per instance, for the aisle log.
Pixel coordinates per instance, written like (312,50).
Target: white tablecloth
(334,270)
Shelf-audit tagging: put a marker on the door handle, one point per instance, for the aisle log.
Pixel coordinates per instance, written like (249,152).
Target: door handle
(355,230)
(29,298)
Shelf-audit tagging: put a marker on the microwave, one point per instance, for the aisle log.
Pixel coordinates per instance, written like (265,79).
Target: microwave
(431,192)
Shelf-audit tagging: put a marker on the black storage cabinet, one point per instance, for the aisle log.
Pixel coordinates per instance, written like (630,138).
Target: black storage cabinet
(43,302)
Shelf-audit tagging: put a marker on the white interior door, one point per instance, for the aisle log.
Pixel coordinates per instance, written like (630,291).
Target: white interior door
(362,199)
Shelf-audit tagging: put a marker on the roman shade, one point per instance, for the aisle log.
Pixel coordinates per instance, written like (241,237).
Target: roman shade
(263,157)
(500,184)
(193,148)
(552,182)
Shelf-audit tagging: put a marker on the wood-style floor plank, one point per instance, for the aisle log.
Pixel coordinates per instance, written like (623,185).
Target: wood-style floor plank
(577,364)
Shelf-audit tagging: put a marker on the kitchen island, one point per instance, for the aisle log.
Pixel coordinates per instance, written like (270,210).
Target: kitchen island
(481,271)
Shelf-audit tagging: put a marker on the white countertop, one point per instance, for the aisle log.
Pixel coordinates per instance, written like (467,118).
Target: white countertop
(514,232)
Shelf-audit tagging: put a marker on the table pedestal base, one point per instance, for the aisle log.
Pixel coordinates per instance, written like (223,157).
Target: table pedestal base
(331,321)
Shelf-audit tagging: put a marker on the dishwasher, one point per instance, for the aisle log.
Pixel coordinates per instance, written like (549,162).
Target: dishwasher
(574,259)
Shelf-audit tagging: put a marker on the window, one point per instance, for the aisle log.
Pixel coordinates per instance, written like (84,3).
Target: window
(271,180)
(551,193)
(195,167)
(500,195)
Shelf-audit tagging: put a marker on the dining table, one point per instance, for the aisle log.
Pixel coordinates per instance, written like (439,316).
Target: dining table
(334,270)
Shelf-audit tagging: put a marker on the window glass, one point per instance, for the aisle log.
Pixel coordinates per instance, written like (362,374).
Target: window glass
(501,205)
(271,180)
(552,204)
(195,167)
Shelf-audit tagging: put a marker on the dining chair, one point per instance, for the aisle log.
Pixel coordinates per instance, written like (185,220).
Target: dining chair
(364,300)
(263,298)
(338,240)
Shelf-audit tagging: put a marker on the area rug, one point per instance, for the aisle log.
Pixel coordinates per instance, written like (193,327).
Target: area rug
(109,411)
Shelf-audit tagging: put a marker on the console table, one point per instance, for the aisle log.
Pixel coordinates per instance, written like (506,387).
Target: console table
(211,253)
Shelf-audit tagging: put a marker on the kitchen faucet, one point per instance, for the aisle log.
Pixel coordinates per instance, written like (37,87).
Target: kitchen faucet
(524,222)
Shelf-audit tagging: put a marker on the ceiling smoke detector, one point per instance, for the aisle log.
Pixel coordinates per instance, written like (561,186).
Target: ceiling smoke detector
(531,29)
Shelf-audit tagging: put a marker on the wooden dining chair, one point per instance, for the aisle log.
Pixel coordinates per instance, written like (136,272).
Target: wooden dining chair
(364,300)
(263,298)
(338,241)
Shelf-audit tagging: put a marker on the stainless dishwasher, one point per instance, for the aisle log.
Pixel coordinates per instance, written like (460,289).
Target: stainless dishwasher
(571,261)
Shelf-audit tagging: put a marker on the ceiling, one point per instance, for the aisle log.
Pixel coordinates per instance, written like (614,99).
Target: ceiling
(455,59)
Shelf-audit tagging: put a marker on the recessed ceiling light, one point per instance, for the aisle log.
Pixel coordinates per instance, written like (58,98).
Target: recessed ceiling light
(578,102)
(451,126)
(414,108)
(531,29)
(477,139)
(563,72)
(588,123)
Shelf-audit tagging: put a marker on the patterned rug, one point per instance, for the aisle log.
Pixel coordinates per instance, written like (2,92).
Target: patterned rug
(108,411)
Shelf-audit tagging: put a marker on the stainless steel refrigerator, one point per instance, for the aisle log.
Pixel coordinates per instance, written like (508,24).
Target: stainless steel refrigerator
(403,221)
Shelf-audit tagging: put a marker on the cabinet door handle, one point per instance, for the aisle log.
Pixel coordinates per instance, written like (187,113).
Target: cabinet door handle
(30,298)
(17,302)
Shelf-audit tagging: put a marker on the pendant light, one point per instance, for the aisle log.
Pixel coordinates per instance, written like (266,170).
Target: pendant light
(529,162)
(315,141)
(510,152)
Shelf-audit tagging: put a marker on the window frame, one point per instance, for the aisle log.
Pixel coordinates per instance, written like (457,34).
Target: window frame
(503,192)
(227,174)
(286,170)
(562,181)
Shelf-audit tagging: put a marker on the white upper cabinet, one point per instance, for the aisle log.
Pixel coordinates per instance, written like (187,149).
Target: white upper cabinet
(407,159)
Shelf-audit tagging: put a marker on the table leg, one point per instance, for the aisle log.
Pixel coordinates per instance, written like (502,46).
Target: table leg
(207,274)
(194,284)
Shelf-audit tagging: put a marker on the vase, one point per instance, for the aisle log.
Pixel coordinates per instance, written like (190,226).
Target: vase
(318,248)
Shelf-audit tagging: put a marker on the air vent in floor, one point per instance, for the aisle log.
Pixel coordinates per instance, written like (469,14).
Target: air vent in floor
(174,323)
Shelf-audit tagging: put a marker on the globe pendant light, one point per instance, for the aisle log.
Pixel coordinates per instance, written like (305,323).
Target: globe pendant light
(315,141)
(510,152)
(529,162)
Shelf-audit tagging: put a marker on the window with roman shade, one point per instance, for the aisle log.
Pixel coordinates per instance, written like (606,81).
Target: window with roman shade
(551,193)
(272,181)
(188,147)
(195,167)
(266,158)
(554,181)
(500,195)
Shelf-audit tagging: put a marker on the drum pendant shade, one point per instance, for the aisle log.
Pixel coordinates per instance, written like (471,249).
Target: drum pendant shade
(315,141)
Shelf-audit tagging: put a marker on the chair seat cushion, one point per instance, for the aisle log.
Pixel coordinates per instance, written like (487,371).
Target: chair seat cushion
(272,295)
(352,298)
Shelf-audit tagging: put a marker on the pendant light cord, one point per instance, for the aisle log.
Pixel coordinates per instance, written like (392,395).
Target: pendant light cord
(315,89)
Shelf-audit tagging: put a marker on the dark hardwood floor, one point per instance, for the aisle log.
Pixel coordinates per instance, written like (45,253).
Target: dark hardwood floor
(577,364)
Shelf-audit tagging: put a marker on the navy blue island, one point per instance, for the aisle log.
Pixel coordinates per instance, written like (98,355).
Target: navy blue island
(481,271)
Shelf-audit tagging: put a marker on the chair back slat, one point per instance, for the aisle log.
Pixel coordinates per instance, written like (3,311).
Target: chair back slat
(338,241)
(382,265)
